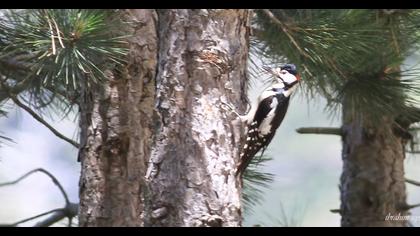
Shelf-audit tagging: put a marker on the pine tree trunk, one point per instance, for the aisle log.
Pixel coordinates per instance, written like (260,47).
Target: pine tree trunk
(170,124)
(115,123)
(202,62)
(372,182)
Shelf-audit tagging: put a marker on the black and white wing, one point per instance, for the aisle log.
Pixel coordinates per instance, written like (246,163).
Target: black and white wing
(268,117)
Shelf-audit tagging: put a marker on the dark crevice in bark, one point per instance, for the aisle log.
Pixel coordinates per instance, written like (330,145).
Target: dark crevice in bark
(116,126)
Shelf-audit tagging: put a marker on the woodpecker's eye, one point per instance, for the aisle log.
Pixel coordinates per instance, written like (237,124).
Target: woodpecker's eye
(283,72)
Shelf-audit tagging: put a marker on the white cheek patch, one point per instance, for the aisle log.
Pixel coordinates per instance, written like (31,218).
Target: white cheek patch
(288,78)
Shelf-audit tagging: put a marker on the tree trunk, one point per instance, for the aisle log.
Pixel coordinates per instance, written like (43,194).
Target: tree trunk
(372,183)
(170,122)
(115,122)
(202,62)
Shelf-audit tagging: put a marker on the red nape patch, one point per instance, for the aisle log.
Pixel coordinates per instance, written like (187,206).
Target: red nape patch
(298,77)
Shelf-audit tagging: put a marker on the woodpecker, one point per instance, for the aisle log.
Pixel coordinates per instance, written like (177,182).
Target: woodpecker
(264,119)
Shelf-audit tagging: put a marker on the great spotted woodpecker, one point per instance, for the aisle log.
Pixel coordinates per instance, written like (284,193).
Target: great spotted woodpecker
(264,119)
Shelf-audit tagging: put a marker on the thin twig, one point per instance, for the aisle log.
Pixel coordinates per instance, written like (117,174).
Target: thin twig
(70,211)
(37,216)
(284,29)
(407,207)
(55,181)
(413,206)
(337,211)
(413,182)
(413,152)
(37,117)
(42,121)
(320,130)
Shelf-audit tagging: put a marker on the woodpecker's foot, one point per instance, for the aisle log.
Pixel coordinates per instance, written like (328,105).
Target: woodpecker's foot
(228,107)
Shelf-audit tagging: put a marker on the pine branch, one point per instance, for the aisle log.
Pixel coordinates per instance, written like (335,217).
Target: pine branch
(69,211)
(42,121)
(30,218)
(320,130)
(55,181)
(274,19)
(407,207)
(413,206)
(413,152)
(413,182)
(69,44)
(336,211)
(37,117)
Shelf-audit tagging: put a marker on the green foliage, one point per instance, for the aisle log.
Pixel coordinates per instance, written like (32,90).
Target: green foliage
(60,51)
(347,55)
(292,217)
(254,180)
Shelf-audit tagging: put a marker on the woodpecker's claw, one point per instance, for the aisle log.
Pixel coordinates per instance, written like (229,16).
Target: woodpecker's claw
(231,109)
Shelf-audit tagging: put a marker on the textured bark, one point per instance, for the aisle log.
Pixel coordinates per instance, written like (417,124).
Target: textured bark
(372,183)
(114,121)
(202,62)
(171,123)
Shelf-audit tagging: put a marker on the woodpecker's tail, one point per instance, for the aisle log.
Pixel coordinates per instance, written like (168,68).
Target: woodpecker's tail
(243,165)
(253,144)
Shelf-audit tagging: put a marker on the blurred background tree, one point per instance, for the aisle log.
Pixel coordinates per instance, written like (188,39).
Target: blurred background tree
(354,59)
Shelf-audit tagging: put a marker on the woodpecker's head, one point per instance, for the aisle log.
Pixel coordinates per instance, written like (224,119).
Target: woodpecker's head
(287,74)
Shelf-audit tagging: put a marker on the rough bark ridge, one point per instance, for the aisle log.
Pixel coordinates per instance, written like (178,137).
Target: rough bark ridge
(114,121)
(372,182)
(202,61)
